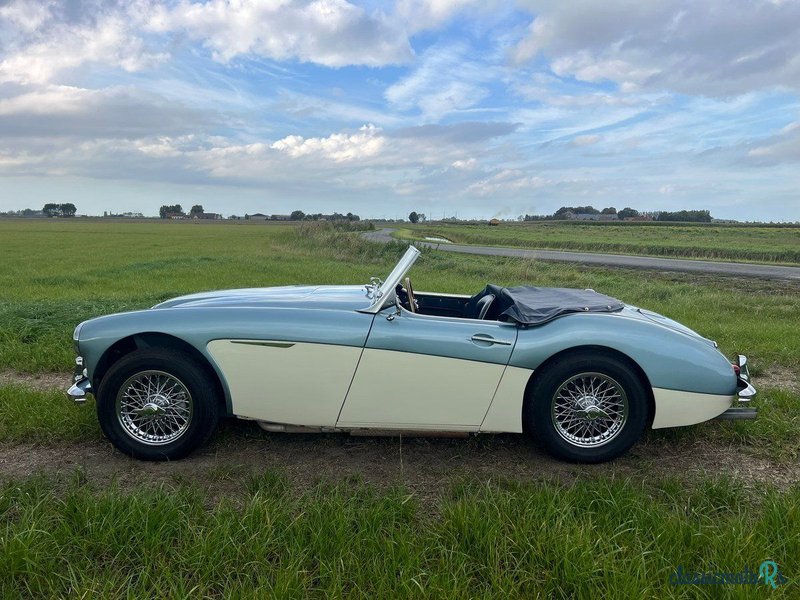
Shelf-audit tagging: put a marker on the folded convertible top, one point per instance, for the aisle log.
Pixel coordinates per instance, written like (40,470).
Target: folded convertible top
(532,306)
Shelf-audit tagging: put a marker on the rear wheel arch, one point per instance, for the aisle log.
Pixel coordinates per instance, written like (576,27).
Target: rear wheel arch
(152,339)
(591,350)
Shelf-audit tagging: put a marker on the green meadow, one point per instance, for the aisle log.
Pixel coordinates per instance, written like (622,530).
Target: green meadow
(615,537)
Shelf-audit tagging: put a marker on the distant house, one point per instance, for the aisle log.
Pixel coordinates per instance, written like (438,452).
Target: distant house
(210,216)
(125,215)
(257,217)
(611,217)
(494,222)
(583,216)
(281,218)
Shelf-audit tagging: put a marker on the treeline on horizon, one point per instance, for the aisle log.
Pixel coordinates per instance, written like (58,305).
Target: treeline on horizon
(570,212)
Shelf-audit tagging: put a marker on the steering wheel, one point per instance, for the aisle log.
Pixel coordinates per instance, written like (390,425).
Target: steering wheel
(484,304)
(412,303)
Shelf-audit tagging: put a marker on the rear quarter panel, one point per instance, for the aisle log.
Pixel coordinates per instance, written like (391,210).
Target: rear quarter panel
(670,359)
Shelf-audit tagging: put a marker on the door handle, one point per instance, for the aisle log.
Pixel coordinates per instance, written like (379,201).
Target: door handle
(482,337)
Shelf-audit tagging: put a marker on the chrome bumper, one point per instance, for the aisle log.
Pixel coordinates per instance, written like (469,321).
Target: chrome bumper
(746,389)
(81,386)
(78,390)
(745,394)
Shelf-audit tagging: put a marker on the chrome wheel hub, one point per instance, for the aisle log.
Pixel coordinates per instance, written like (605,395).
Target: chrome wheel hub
(589,409)
(154,407)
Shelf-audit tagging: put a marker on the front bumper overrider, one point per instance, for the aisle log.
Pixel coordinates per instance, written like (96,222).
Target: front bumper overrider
(81,386)
(746,392)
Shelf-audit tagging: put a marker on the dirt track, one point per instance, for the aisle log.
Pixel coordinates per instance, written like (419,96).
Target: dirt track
(424,466)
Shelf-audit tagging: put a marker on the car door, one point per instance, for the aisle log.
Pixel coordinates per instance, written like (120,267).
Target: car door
(427,372)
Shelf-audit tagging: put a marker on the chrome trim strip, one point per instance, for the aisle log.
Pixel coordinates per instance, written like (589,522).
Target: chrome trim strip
(268,343)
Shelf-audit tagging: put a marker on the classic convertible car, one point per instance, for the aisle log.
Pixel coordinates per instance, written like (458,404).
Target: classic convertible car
(579,371)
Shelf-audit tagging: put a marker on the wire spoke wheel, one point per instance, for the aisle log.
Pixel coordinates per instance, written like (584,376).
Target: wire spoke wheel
(589,409)
(154,407)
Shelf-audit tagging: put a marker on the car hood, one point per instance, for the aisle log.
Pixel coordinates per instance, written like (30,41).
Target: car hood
(342,297)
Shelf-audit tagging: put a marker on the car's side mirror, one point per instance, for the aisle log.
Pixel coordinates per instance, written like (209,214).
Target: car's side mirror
(398,309)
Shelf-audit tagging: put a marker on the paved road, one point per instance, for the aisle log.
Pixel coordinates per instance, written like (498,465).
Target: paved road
(615,260)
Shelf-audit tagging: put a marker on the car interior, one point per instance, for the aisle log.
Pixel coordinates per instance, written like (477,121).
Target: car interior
(481,306)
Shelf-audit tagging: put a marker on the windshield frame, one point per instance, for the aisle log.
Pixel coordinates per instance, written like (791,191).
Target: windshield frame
(385,294)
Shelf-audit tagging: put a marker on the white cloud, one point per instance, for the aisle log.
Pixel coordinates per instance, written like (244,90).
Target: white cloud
(333,33)
(338,147)
(69,112)
(783,147)
(447,80)
(716,47)
(421,15)
(50,46)
(586,140)
(466,164)
(505,181)
(25,15)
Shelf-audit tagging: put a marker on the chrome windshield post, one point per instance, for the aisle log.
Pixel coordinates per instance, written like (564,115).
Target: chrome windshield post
(384,294)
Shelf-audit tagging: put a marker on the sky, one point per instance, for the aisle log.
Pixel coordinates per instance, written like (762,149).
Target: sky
(477,108)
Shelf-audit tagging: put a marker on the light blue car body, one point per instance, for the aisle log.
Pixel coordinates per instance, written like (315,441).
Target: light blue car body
(671,356)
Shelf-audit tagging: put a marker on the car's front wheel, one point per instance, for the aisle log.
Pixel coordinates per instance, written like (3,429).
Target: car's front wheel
(588,407)
(157,404)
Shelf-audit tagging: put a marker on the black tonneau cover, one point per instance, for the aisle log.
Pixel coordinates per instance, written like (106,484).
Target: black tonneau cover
(532,306)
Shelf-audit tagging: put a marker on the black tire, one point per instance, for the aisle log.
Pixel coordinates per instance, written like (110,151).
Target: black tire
(186,432)
(550,427)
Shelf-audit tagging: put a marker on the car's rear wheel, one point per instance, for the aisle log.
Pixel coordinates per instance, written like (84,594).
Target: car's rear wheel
(588,407)
(157,404)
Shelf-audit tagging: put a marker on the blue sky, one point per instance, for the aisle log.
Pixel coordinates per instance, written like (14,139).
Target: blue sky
(442,106)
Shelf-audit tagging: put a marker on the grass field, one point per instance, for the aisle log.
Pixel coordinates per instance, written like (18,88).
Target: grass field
(773,244)
(502,538)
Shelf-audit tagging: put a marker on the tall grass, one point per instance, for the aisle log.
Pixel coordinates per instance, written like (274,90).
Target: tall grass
(617,539)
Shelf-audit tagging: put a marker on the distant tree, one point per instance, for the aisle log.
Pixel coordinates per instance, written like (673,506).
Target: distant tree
(590,210)
(51,210)
(609,211)
(627,213)
(166,211)
(196,210)
(413,217)
(297,215)
(688,216)
(422,217)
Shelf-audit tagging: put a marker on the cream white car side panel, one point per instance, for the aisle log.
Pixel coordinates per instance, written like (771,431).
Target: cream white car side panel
(505,413)
(675,409)
(293,383)
(403,389)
